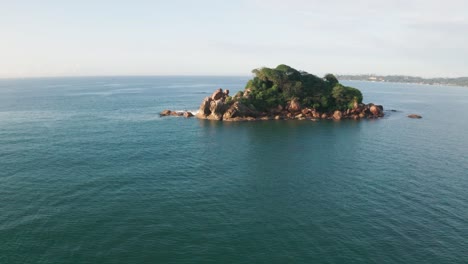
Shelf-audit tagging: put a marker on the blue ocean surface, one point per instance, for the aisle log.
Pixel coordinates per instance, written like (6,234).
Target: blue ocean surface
(89,173)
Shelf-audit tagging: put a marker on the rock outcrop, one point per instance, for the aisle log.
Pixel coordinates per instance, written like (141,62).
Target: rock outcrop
(175,113)
(218,94)
(337,115)
(216,107)
(213,107)
(238,111)
(220,106)
(376,110)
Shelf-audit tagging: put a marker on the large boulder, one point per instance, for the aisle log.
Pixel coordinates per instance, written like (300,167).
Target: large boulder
(218,94)
(238,110)
(376,110)
(337,115)
(204,109)
(316,114)
(306,111)
(294,106)
(217,108)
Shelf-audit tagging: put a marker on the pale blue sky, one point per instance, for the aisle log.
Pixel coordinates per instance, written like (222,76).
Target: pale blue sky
(207,37)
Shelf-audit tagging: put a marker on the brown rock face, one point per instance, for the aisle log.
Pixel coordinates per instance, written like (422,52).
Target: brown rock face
(414,116)
(316,114)
(218,94)
(211,109)
(217,110)
(306,111)
(238,110)
(204,109)
(172,113)
(337,115)
(235,110)
(376,110)
(165,113)
(294,106)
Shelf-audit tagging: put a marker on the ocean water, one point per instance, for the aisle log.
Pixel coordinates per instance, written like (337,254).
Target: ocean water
(89,173)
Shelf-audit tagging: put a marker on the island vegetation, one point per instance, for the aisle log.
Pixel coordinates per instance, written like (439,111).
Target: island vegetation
(272,87)
(286,93)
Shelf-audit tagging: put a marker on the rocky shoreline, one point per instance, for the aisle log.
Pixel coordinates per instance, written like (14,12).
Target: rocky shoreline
(220,107)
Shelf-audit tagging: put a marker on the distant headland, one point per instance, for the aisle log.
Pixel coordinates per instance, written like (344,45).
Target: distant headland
(461,81)
(286,93)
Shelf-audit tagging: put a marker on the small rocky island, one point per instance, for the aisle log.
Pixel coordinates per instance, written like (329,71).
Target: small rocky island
(286,93)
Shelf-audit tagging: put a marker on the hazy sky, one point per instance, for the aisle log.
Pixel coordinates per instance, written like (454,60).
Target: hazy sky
(212,37)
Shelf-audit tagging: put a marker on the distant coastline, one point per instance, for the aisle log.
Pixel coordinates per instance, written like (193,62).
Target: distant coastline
(460,81)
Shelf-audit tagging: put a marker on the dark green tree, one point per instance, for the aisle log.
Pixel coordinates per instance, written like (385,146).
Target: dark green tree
(271,87)
(331,79)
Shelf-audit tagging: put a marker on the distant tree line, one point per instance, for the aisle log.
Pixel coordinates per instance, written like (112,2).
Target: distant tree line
(461,81)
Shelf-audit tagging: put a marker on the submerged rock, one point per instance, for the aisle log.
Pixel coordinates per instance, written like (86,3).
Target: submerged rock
(414,116)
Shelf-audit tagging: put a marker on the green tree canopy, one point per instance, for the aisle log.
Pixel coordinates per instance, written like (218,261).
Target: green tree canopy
(271,87)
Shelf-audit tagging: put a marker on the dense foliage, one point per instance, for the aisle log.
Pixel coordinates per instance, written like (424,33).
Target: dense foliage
(272,87)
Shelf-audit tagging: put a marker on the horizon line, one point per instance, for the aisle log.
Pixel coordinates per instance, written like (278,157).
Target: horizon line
(202,75)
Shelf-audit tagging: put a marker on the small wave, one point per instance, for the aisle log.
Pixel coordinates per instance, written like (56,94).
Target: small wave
(111,92)
(130,90)
(191,111)
(58,85)
(112,84)
(91,93)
